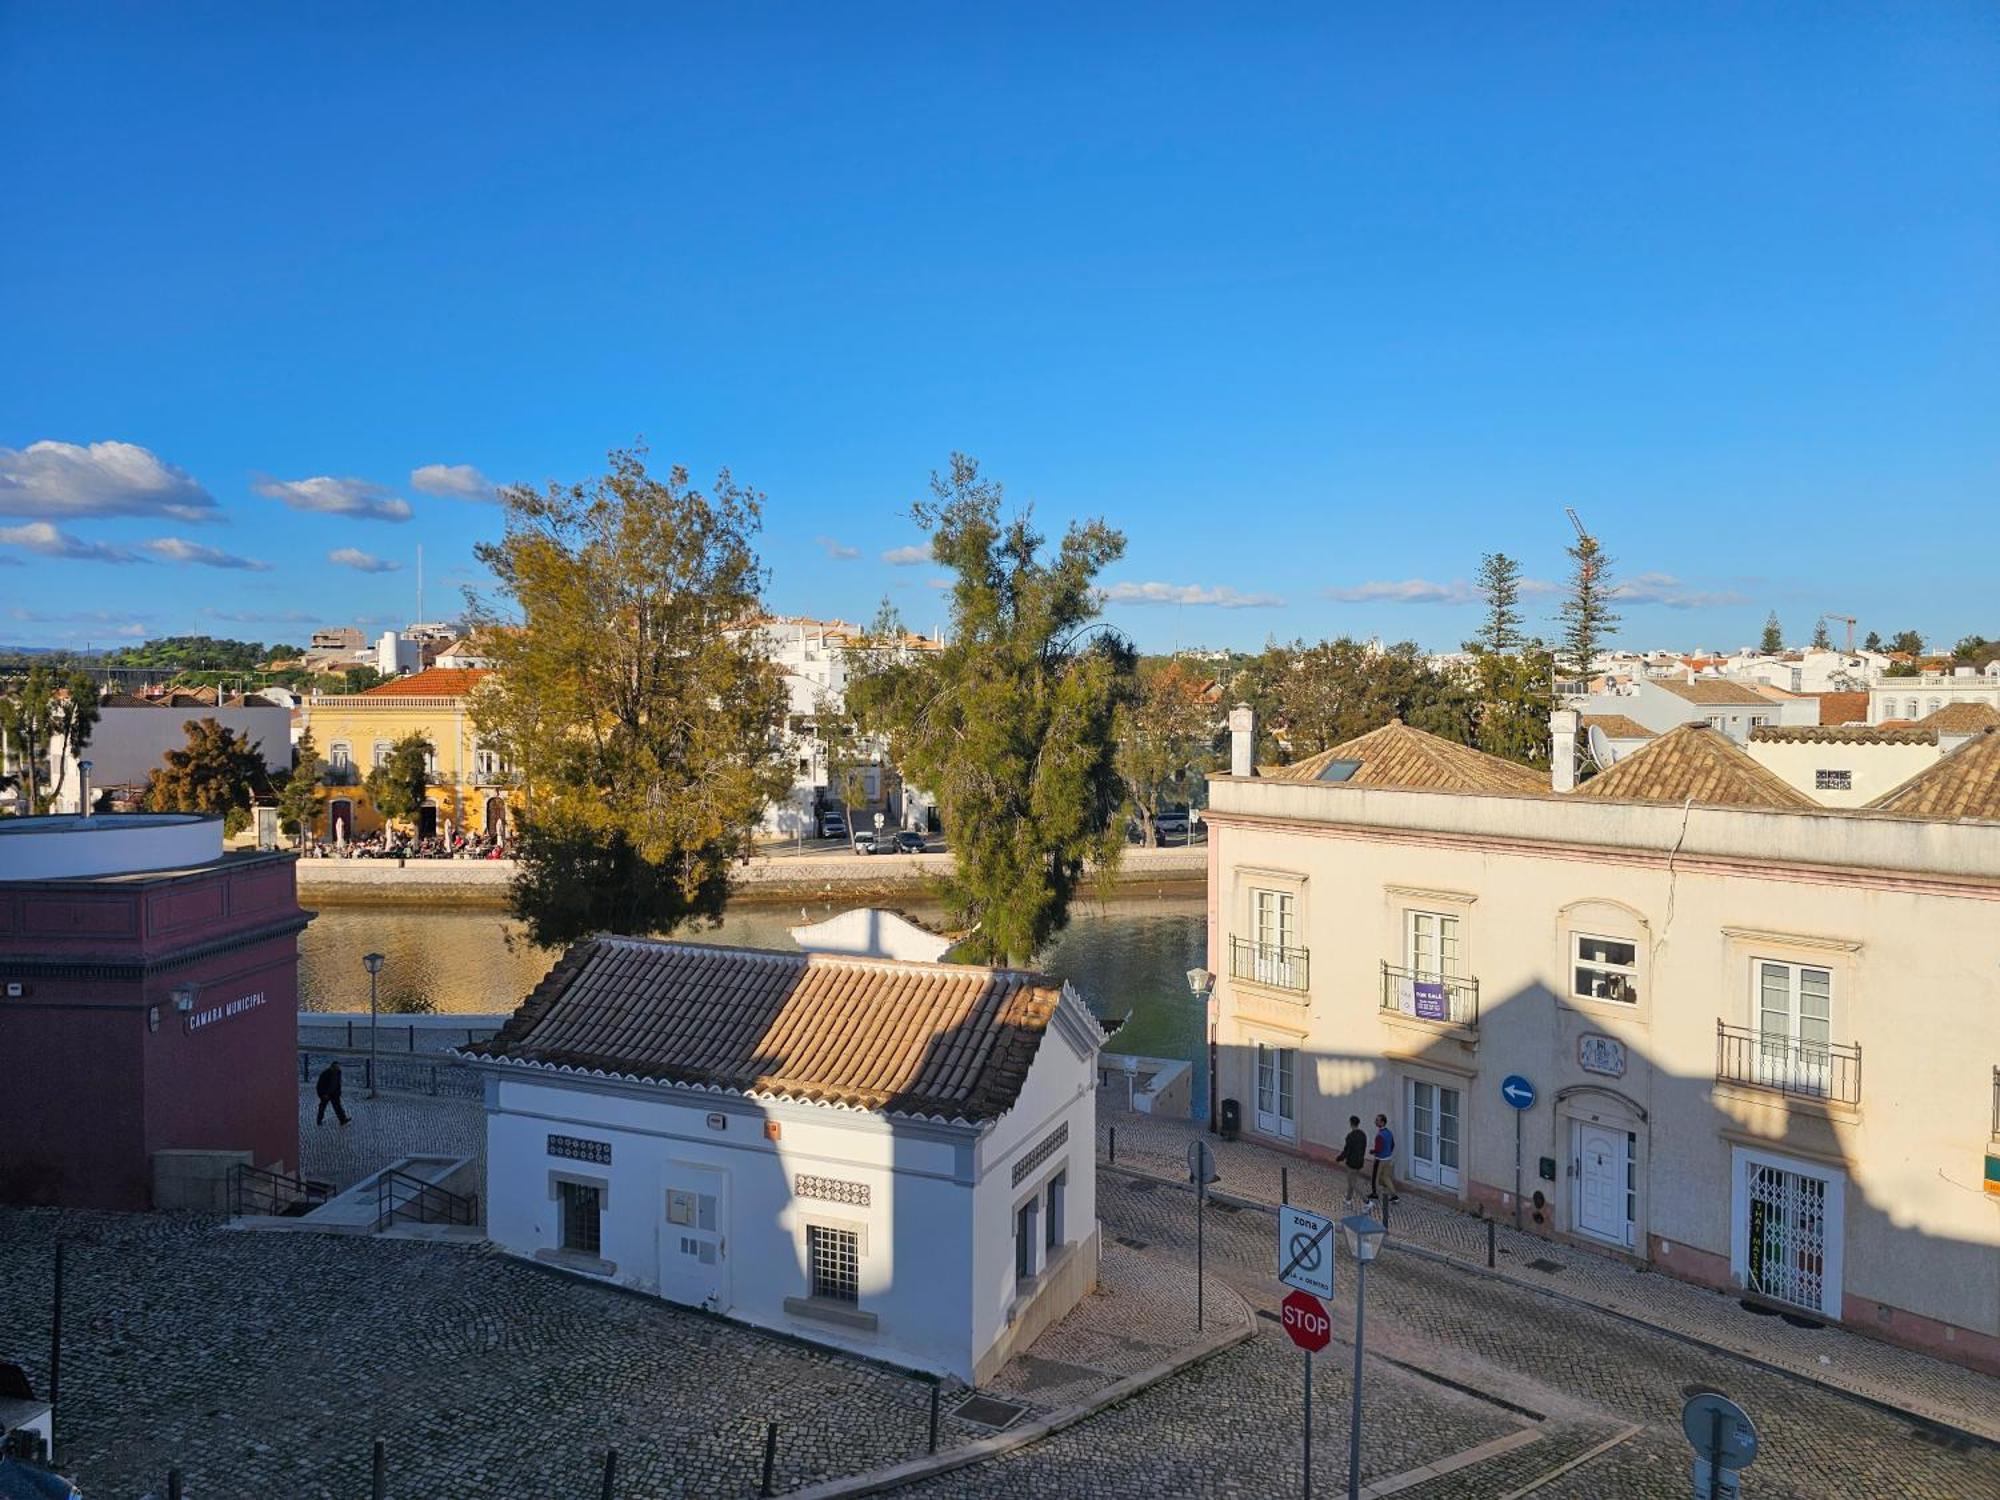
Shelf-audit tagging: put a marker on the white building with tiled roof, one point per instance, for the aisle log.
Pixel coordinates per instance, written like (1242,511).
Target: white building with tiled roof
(894,1158)
(1763,1033)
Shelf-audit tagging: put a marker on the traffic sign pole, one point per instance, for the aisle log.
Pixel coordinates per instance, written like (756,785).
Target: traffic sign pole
(1520,1094)
(1200,1203)
(1517,1169)
(1307,1488)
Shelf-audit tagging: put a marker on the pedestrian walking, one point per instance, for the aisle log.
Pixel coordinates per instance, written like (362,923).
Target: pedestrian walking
(1354,1155)
(1382,1180)
(328,1088)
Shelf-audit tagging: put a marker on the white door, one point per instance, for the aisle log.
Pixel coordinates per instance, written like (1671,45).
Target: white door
(1277,1106)
(1605,1190)
(1431,944)
(694,1237)
(1794,1026)
(1434,1112)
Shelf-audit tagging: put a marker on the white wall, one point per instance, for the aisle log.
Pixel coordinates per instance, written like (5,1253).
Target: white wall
(1872,768)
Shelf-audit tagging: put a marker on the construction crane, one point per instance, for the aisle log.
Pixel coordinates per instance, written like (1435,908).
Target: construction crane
(1848,621)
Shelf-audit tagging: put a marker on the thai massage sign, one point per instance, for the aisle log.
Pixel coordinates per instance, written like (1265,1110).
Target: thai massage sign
(200,1018)
(1597,1053)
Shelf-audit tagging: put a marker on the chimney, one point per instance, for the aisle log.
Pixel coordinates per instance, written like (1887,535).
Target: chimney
(1243,740)
(1562,750)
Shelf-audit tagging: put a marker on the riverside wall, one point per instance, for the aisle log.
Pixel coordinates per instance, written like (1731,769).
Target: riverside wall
(483,882)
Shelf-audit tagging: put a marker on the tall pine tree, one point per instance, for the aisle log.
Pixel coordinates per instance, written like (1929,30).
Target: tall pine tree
(1500,587)
(1588,622)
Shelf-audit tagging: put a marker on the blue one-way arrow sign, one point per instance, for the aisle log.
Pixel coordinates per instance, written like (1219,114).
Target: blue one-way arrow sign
(1517,1091)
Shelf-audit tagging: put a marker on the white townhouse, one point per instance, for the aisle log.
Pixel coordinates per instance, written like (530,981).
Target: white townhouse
(1735,708)
(1763,1034)
(1910,699)
(895,1159)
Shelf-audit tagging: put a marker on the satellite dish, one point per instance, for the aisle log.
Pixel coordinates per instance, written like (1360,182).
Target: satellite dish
(1601,749)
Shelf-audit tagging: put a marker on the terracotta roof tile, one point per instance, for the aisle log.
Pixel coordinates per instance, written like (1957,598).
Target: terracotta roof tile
(1694,761)
(1398,756)
(942,1040)
(1843,734)
(1711,690)
(1842,708)
(1964,784)
(434,682)
(1617,726)
(1962,718)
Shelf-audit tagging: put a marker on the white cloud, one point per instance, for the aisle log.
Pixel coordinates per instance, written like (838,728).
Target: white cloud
(177,550)
(262,617)
(908,557)
(1667,590)
(454,481)
(359,498)
(1219,596)
(86,624)
(1425,591)
(69,481)
(838,551)
(47,540)
(362,562)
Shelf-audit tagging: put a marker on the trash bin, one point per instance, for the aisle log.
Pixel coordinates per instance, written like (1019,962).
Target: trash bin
(1232,1119)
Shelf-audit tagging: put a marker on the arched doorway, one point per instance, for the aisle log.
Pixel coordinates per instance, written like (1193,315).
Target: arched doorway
(496,819)
(427,821)
(340,821)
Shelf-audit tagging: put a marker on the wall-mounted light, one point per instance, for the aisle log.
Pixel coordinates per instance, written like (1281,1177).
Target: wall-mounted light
(152,1018)
(183,997)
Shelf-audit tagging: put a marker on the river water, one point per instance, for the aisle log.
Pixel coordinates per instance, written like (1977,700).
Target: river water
(1128,957)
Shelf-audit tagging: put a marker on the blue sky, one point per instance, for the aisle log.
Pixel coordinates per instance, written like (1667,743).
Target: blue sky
(1316,303)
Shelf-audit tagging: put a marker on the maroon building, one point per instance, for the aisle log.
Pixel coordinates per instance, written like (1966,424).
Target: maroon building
(148,1004)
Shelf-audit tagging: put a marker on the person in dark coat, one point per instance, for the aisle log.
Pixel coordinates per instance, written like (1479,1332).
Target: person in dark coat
(1354,1154)
(329,1093)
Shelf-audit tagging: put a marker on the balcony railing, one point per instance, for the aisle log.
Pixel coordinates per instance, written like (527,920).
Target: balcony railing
(1267,963)
(1809,1070)
(1430,997)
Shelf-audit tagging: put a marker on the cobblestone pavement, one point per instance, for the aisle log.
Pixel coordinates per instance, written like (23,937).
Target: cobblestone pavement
(384,1128)
(1869,1367)
(1231,1425)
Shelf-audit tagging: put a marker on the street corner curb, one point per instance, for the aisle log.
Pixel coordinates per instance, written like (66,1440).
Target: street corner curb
(910,1471)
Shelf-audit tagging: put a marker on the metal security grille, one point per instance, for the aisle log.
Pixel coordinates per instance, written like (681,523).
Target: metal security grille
(1047,1147)
(582,1217)
(577,1149)
(1787,1249)
(836,1263)
(831,1190)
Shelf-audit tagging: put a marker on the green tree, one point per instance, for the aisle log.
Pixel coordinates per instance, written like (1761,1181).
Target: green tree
(1909,641)
(1588,623)
(47,715)
(1316,696)
(647,724)
(1874,641)
(1773,639)
(1822,639)
(1515,699)
(217,771)
(398,784)
(1500,587)
(298,803)
(1166,736)
(363,677)
(1012,725)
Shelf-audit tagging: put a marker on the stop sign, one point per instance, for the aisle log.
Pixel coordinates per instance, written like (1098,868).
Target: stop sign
(1306,1321)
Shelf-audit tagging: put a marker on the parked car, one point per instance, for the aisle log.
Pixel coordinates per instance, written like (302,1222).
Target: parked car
(864,841)
(833,824)
(1171,823)
(909,841)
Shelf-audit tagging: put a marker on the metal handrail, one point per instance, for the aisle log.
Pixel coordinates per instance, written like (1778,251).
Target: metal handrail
(1267,963)
(1455,1000)
(450,1207)
(1787,1065)
(274,1191)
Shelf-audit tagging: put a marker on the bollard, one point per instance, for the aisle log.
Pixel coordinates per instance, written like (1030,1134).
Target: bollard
(173,1484)
(350,1036)
(1285,1185)
(378,1483)
(770,1455)
(1489,1244)
(413,1036)
(934,1416)
(1114,1145)
(1385,1210)
(610,1473)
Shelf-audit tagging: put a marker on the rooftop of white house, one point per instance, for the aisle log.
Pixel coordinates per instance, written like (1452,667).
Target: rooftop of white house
(925,1040)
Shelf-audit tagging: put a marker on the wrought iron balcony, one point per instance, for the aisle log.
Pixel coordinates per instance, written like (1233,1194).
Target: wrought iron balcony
(1430,997)
(1787,1065)
(1267,963)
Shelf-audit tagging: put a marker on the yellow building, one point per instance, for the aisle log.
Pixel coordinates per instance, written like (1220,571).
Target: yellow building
(354,732)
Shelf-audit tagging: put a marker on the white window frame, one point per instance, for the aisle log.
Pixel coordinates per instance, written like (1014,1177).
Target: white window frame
(1786,1057)
(1281,1120)
(1834,1222)
(1027,1240)
(1431,1170)
(1631,971)
(340,755)
(818,1227)
(1448,942)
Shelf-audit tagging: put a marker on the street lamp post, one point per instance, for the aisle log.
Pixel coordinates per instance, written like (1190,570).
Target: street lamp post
(1364,1236)
(1201,984)
(372,962)
(83,797)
